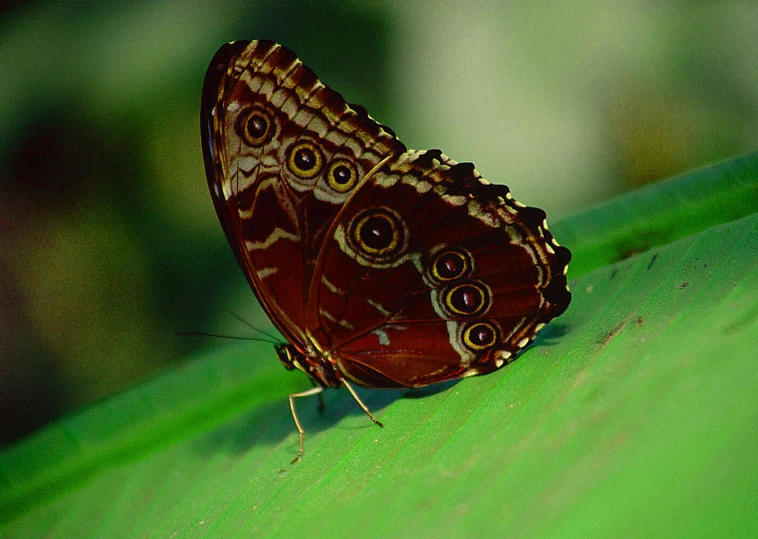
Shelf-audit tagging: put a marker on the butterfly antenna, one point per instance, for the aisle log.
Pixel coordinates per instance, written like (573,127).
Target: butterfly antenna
(273,338)
(219,336)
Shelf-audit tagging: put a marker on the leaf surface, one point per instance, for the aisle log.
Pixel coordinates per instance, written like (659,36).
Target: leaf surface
(633,413)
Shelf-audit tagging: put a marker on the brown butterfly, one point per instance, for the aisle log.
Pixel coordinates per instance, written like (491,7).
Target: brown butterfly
(382,266)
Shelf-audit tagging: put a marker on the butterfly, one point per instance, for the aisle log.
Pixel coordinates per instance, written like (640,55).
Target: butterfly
(382,266)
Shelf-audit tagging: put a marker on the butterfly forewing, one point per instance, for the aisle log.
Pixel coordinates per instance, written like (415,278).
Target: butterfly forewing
(276,141)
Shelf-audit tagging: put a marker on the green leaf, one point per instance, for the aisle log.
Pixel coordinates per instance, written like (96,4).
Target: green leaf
(633,414)
(647,218)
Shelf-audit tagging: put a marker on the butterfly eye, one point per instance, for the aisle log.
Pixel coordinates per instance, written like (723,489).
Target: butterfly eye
(451,265)
(467,299)
(480,336)
(342,176)
(305,160)
(255,127)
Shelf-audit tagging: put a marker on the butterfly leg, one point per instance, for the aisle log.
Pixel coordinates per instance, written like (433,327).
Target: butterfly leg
(360,403)
(307,393)
(321,406)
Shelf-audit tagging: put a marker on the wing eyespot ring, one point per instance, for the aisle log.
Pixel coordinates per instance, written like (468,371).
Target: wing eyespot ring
(305,160)
(378,233)
(480,336)
(256,127)
(451,265)
(466,299)
(341,176)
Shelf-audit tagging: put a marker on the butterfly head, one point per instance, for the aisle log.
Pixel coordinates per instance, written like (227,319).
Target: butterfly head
(289,357)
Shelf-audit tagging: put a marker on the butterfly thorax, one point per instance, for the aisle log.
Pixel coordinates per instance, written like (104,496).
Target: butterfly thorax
(316,364)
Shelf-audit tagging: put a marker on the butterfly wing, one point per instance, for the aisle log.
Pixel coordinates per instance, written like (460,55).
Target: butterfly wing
(392,267)
(282,154)
(433,274)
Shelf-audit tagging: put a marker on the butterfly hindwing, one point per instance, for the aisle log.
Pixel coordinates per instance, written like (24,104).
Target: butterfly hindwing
(467,277)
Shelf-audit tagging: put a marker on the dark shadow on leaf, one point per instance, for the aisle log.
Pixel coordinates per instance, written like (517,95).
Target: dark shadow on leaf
(267,424)
(428,391)
(339,404)
(272,423)
(552,333)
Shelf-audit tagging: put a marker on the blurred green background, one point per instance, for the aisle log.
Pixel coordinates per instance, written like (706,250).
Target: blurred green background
(108,241)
